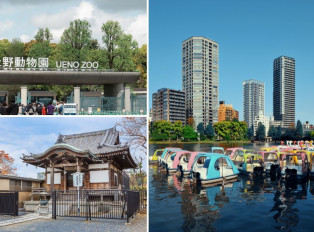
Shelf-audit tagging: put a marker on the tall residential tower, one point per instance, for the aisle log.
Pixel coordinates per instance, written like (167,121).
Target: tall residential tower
(200,79)
(253,100)
(284,91)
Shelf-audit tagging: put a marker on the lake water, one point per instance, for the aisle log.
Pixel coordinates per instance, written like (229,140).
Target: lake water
(244,205)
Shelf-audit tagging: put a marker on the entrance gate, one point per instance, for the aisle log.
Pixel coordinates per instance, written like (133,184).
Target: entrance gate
(107,204)
(9,203)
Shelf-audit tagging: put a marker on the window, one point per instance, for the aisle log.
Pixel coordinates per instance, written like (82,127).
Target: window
(15,185)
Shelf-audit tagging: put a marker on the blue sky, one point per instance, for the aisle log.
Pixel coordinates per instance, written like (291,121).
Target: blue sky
(251,34)
(21,19)
(36,134)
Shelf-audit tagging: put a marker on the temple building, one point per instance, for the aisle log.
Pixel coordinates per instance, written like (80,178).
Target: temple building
(99,155)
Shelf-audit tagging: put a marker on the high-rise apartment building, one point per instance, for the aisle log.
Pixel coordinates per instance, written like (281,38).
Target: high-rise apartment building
(169,105)
(253,100)
(226,112)
(200,79)
(284,91)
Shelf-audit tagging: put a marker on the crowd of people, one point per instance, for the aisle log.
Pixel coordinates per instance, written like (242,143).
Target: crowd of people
(32,109)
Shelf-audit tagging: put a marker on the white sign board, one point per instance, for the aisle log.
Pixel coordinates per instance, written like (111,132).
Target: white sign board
(78,179)
(70,109)
(99,176)
(56,180)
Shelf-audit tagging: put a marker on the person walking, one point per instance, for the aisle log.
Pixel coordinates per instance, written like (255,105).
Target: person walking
(29,110)
(13,109)
(3,109)
(44,110)
(50,109)
(20,109)
(39,109)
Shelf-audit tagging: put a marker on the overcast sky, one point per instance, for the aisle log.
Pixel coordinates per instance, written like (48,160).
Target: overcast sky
(25,135)
(21,18)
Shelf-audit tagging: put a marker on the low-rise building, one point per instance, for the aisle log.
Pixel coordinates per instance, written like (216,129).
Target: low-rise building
(226,112)
(22,185)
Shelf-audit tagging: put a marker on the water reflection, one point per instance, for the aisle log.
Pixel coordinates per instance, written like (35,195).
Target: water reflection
(251,204)
(201,207)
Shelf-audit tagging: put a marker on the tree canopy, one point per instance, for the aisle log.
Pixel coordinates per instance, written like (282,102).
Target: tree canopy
(6,164)
(260,132)
(119,51)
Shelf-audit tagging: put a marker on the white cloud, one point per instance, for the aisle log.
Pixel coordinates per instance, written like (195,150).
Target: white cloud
(84,11)
(121,5)
(138,29)
(57,22)
(25,38)
(6,25)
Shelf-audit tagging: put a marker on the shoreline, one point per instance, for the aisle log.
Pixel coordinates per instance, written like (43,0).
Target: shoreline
(209,142)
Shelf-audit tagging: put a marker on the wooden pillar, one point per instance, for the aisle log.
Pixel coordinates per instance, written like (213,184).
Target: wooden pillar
(52,175)
(78,166)
(65,179)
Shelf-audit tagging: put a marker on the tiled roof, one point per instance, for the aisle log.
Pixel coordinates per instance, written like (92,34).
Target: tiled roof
(98,142)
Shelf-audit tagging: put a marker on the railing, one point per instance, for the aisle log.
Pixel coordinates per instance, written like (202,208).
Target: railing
(9,203)
(143,199)
(109,204)
(102,112)
(21,189)
(133,204)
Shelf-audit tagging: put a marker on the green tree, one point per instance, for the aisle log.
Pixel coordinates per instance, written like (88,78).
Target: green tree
(200,129)
(40,50)
(161,130)
(119,47)
(260,132)
(230,130)
(272,132)
(312,134)
(189,134)
(140,59)
(250,133)
(299,130)
(78,35)
(278,133)
(43,35)
(15,48)
(75,38)
(4,44)
(209,131)
(177,129)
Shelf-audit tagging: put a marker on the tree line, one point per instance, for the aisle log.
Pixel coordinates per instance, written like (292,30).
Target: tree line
(277,133)
(117,51)
(226,130)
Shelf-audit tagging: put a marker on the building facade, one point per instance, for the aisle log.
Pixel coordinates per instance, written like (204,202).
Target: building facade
(265,120)
(22,185)
(226,112)
(200,79)
(169,105)
(253,100)
(284,90)
(98,155)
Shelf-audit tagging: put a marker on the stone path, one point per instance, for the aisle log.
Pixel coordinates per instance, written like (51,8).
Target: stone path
(21,219)
(138,224)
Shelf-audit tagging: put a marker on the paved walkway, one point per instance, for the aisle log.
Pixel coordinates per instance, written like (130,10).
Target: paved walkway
(21,219)
(138,224)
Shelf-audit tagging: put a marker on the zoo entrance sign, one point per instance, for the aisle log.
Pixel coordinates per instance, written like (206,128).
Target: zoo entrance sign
(43,63)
